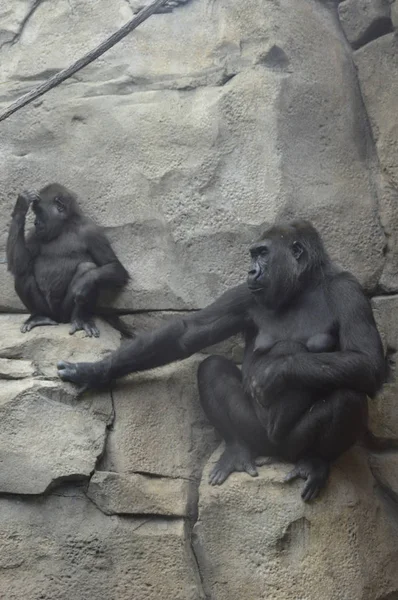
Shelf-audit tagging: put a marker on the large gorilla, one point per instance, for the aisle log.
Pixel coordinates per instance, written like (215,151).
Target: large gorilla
(312,356)
(63,263)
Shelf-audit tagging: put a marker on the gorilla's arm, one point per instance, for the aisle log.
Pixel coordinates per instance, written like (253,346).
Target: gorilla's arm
(359,364)
(175,341)
(19,256)
(109,272)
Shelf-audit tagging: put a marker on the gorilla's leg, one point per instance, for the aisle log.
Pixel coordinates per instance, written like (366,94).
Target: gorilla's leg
(328,429)
(74,308)
(229,410)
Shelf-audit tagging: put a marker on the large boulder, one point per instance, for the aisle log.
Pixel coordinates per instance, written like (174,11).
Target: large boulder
(63,547)
(255,539)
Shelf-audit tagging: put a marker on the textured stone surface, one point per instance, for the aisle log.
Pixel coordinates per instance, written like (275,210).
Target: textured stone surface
(181,162)
(47,434)
(365,20)
(44,438)
(159,428)
(394,14)
(383,410)
(377,62)
(63,547)
(136,494)
(15,369)
(255,539)
(385,470)
(44,346)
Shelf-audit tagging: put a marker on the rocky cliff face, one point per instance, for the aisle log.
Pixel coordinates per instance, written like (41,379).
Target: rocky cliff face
(183,140)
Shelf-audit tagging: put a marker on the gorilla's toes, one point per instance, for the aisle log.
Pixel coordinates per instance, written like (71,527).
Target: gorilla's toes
(91,329)
(233,459)
(315,472)
(217,476)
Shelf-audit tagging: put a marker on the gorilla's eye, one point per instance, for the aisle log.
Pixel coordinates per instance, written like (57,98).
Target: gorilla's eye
(263,250)
(297,250)
(59,204)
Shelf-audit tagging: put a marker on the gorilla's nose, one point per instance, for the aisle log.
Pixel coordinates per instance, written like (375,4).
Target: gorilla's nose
(254,274)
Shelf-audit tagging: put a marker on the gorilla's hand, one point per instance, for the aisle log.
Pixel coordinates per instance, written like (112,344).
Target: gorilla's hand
(83,374)
(273,378)
(23,202)
(84,286)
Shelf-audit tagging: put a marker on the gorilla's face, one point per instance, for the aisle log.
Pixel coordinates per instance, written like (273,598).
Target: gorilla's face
(278,261)
(53,206)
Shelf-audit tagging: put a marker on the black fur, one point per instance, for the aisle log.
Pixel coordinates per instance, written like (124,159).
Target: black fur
(63,263)
(312,356)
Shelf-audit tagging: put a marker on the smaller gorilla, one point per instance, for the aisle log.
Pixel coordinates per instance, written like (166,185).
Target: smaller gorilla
(63,262)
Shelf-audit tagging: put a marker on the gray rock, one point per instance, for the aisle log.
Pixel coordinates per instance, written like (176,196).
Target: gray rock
(159,427)
(394,14)
(44,346)
(47,434)
(46,437)
(135,494)
(15,369)
(385,470)
(255,538)
(365,20)
(383,410)
(187,168)
(62,547)
(377,62)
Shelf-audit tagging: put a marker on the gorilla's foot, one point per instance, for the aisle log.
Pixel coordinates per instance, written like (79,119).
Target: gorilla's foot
(86,325)
(315,472)
(234,458)
(36,321)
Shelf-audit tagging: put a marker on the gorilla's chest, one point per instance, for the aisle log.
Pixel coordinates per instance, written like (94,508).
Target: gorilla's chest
(310,320)
(56,264)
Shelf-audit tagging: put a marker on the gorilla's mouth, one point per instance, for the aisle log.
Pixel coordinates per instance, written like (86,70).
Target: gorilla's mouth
(255,289)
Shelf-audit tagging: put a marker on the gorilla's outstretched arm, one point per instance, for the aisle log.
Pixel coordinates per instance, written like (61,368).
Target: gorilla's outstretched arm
(360,364)
(178,340)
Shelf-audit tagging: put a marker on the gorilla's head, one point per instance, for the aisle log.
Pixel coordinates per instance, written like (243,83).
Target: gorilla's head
(53,206)
(284,262)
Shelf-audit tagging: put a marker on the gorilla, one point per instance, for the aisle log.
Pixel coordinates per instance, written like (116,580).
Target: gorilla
(63,262)
(312,356)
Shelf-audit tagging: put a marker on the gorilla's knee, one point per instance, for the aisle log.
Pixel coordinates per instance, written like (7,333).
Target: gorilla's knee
(84,267)
(213,366)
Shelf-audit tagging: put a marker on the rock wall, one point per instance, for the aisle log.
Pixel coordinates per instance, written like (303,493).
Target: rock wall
(183,140)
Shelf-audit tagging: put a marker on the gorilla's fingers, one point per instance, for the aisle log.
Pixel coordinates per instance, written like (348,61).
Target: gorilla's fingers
(67,371)
(31,195)
(63,364)
(91,329)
